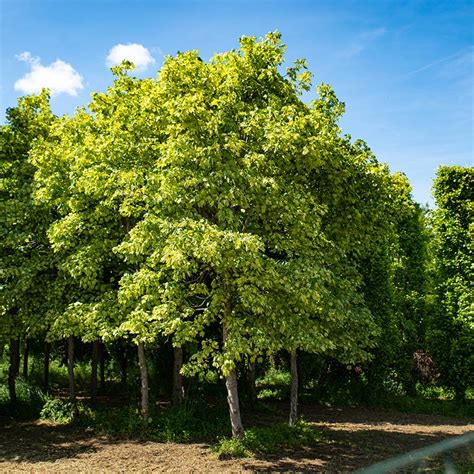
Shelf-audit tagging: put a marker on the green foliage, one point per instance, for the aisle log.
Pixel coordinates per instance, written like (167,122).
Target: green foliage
(29,404)
(188,423)
(213,209)
(58,411)
(196,206)
(274,384)
(27,267)
(259,441)
(274,376)
(452,325)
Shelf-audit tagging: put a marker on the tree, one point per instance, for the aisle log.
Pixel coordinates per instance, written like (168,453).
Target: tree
(231,252)
(452,326)
(85,175)
(27,267)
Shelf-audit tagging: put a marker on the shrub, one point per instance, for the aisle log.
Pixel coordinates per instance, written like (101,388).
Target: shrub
(59,411)
(268,440)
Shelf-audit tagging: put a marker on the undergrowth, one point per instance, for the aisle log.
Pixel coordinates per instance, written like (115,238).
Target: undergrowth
(195,421)
(259,441)
(30,401)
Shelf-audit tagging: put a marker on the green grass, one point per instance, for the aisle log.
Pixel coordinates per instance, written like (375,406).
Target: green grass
(261,441)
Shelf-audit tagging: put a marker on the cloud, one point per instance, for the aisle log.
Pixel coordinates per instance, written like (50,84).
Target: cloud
(134,52)
(452,63)
(362,41)
(59,77)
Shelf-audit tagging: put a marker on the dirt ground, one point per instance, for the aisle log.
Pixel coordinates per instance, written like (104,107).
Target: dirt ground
(359,437)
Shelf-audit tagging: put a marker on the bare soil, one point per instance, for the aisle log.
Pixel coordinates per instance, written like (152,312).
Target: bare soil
(358,437)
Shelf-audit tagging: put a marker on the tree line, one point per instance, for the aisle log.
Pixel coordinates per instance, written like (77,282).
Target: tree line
(213,211)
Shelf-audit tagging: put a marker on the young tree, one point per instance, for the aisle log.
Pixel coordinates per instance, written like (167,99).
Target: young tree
(88,171)
(27,266)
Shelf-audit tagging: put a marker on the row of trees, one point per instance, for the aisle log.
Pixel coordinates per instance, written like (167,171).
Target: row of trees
(214,209)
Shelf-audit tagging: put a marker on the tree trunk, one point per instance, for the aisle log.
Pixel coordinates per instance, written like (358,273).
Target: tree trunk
(234,407)
(94,361)
(13,369)
(17,358)
(25,359)
(102,366)
(231,384)
(70,368)
(294,389)
(273,362)
(144,380)
(178,389)
(123,366)
(47,350)
(251,382)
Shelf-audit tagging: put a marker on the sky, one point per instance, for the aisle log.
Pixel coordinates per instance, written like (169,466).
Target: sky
(403,68)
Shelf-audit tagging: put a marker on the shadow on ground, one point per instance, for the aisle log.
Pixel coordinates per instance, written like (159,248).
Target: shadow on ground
(355,438)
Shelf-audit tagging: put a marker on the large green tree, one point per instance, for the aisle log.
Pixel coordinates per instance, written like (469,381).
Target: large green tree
(452,324)
(231,252)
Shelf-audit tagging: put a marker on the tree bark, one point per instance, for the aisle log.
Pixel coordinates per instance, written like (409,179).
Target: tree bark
(251,382)
(144,380)
(25,359)
(294,389)
(47,351)
(94,361)
(234,407)
(102,366)
(70,368)
(231,383)
(178,389)
(13,368)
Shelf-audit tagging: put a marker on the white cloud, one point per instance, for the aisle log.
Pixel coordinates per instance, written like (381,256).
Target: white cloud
(134,52)
(59,77)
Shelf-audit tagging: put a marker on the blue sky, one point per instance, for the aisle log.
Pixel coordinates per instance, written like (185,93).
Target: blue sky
(403,68)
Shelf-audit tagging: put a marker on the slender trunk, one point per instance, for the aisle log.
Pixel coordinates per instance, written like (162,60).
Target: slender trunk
(17,358)
(294,389)
(47,350)
(123,367)
(234,407)
(25,359)
(70,368)
(231,384)
(273,362)
(251,382)
(102,366)
(13,369)
(144,380)
(94,361)
(178,389)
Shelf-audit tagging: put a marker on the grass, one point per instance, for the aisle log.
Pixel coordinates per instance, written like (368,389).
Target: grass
(261,441)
